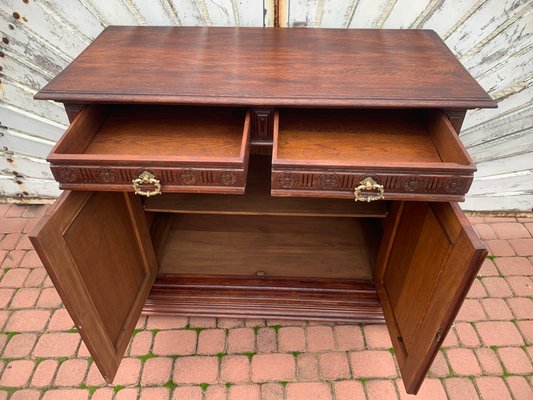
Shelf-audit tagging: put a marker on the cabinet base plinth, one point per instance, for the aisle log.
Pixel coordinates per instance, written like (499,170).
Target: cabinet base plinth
(267,297)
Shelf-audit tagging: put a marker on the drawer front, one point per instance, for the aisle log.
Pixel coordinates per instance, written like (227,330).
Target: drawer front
(175,179)
(404,154)
(396,185)
(154,149)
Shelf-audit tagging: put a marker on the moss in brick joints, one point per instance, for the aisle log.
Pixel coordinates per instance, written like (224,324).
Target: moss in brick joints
(491,257)
(228,385)
(190,328)
(61,360)
(296,353)
(154,332)
(39,360)
(145,357)
(170,385)
(10,390)
(256,328)
(91,389)
(204,386)
(9,335)
(283,383)
(137,331)
(73,330)
(249,354)
(118,388)
(277,327)
(221,355)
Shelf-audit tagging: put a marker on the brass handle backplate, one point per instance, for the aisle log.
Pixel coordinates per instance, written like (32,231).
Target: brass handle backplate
(368,190)
(146,178)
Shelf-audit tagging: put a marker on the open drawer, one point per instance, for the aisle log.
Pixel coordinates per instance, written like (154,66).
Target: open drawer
(389,154)
(154,148)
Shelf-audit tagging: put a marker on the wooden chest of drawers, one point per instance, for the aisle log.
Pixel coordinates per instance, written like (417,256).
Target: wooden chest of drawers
(246,149)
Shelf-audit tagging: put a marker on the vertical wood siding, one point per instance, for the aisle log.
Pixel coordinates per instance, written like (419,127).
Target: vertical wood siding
(492,38)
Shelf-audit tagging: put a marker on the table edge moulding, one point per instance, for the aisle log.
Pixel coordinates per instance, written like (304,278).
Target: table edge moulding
(263,173)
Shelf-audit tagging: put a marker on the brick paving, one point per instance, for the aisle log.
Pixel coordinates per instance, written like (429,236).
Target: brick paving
(487,355)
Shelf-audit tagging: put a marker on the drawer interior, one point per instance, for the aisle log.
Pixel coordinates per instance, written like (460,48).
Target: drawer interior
(187,134)
(366,138)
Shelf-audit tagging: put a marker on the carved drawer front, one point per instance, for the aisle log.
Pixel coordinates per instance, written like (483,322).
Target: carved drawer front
(369,155)
(154,149)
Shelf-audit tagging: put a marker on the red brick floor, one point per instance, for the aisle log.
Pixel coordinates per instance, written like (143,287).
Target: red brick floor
(487,355)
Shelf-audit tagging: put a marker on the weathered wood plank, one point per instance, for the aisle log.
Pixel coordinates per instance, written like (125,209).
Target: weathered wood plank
(368,13)
(405,13)
(22,44)
(112,12)
(302,13)
(503,183)
(24,167)
(486,20)
(519,201)
(22,143)
(77,14)
(337,13)
(521,162)
(250,12)
(515,39)
(28,188)
(21,97)
(23,121)
(450,14)
(188,12)
(44,26)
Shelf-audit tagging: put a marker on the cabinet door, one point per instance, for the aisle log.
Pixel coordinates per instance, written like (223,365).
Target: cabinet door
(428,259)
(97,251)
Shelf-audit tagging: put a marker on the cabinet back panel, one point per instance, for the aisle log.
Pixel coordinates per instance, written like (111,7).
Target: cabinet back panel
(271,246)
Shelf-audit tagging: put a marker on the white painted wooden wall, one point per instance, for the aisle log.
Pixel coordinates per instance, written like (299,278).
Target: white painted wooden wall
(492,38)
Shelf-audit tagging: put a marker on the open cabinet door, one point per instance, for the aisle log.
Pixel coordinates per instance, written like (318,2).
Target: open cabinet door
(97,251)
(428,259)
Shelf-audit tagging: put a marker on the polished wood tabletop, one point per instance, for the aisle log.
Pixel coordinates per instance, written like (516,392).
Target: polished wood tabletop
(268,67)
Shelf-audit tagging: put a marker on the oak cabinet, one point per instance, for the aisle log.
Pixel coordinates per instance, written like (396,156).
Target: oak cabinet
(246,149)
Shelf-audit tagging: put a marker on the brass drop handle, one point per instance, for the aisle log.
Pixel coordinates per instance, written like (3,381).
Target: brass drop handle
(146,178)
(367,185)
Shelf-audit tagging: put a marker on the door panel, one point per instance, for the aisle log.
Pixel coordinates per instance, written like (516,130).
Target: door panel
(97,251)
(429,257)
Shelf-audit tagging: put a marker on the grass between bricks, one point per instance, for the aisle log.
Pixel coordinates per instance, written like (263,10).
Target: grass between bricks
(10,334)
(137,331)
(204,386)
(118,388)
(91,389)
(145,357)
(190,328)
(170,385)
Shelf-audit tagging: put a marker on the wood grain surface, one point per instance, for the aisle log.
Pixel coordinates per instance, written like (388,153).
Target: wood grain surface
(251,66)
(310,247)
